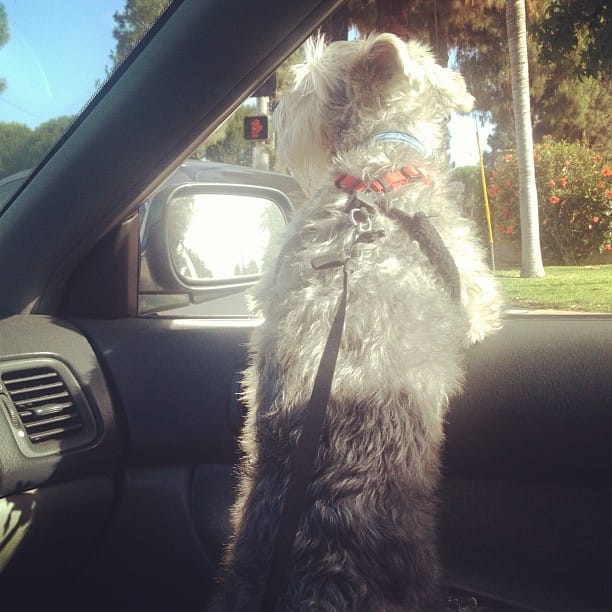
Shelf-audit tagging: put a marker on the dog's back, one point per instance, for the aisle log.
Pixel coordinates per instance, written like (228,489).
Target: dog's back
(366,539)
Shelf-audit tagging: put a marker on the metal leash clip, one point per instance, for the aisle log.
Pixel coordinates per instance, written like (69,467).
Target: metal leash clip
(361,219)
(360,206)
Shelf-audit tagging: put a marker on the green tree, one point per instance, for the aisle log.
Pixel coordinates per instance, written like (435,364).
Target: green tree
(23,147)
(232,147)
(4,36)
(132,24)
(562,104)
(531,253)
(13,153)
(473,34)
(45,136)
(575,35)
(574,108)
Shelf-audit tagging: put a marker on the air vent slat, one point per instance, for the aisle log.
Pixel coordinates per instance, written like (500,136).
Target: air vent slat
(57,432)
(49,409)
(11,380)
(42,399)
(43,402)
(38,388)
(50,421)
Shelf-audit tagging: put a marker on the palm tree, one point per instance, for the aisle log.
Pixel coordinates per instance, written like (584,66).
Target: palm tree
(531,254)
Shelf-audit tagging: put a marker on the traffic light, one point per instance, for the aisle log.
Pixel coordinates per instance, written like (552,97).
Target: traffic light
(256,127)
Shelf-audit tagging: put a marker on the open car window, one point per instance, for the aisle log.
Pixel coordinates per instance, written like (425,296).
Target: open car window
(55,56)
(573,182)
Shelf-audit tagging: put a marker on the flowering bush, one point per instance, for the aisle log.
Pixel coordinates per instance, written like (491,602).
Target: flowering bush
(574,186)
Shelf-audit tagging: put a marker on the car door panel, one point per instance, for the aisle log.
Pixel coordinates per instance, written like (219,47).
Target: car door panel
(56,491)
(526,495)
(525,499)
(173,382)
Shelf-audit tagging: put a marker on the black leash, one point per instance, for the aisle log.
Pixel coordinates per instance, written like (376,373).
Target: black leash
(304,460)
(421,229)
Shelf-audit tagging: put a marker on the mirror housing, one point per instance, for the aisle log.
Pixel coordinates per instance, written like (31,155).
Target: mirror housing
(203,241)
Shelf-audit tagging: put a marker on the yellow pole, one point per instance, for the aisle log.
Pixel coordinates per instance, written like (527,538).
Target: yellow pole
(486,199)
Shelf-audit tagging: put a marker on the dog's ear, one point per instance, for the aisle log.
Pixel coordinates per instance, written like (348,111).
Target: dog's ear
(425,74)
(451,86)
(384,60)
(388,58)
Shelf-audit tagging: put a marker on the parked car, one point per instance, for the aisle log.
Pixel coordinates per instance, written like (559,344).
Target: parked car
(119,412)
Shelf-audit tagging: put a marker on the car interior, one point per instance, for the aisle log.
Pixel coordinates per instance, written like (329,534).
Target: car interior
(123,502)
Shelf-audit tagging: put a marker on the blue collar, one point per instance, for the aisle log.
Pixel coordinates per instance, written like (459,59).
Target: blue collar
(415,143)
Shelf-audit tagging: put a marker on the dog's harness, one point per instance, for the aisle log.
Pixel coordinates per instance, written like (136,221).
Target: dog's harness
(361,203)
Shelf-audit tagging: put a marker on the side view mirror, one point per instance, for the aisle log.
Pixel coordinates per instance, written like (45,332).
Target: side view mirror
(201,241)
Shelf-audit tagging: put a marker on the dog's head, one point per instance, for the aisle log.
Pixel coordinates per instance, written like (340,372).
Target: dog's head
(346,92)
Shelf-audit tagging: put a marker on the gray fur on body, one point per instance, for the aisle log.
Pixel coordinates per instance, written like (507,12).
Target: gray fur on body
(367,536)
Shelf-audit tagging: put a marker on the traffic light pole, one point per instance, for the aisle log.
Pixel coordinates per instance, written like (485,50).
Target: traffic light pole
(261,156)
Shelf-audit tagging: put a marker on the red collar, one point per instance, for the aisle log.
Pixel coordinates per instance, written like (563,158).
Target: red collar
(389,182)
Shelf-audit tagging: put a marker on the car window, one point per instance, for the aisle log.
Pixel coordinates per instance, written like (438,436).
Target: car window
(54,56)
(572,160)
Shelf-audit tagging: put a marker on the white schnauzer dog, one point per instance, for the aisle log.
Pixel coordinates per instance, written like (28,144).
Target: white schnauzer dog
(364,130)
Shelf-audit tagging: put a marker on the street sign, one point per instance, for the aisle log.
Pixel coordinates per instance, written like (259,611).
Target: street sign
(256,127)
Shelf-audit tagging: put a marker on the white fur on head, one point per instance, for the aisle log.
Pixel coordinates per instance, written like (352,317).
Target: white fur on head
(347,91)
(298,119)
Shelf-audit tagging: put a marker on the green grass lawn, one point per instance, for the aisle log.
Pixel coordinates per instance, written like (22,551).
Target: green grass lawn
(579,288)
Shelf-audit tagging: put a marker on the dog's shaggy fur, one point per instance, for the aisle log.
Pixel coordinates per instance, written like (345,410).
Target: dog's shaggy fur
(367,536)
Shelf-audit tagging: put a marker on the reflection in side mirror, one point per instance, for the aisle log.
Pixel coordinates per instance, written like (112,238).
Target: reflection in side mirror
(213,237)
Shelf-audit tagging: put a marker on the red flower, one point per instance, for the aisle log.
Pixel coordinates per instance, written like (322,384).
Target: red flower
(595,219)
(563,181)
(507,157)
(493,190)
(608,194)
(607,171)
(554,199)
(600,184)
(607,247)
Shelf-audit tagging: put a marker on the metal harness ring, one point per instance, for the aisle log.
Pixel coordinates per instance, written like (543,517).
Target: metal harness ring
(365,223)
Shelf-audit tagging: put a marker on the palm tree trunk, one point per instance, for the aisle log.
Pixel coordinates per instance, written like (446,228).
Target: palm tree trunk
(531,254)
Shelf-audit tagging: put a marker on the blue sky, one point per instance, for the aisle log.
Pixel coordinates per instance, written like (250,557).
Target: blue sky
(57,51)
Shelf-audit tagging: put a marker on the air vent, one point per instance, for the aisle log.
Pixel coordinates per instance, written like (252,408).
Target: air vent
(43,403)
(45,406)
